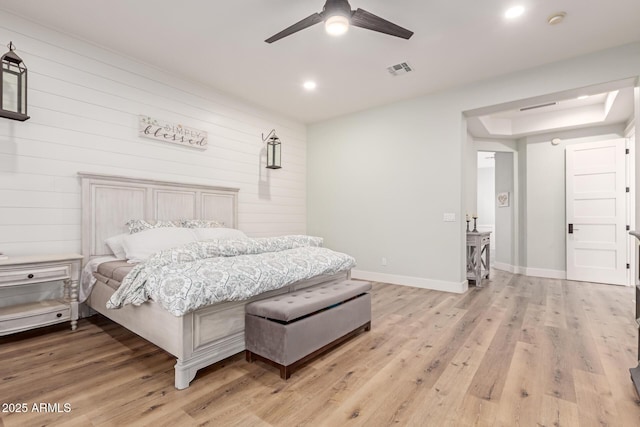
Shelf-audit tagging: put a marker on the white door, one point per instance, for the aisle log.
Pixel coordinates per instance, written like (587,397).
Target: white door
(596,212)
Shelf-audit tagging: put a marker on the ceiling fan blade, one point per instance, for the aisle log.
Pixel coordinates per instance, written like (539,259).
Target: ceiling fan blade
(305,23)
(363,19)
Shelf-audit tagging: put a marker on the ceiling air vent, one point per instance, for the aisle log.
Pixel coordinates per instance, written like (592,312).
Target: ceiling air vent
(533,107)
(399,69)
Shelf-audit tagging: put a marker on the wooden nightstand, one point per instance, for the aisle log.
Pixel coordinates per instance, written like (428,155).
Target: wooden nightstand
(28,270)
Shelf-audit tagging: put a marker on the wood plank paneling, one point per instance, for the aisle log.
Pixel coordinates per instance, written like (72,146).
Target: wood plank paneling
(84,103)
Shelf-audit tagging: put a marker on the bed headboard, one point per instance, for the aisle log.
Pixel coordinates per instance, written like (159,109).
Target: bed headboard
(109,201)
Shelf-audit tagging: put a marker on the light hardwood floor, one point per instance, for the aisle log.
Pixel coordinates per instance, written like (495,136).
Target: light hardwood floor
(520,351)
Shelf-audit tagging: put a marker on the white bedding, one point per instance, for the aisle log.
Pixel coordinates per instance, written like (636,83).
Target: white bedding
(206,272)
(87,280)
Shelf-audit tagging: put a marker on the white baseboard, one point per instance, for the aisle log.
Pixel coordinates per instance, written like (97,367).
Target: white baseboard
(534,272)
(505,267)
(543,272)
(416,282)
(458,288)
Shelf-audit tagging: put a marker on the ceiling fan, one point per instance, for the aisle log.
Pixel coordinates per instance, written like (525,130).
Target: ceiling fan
(337,16)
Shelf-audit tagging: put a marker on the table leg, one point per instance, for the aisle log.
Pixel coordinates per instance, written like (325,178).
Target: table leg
(74,304)
(488,259)
(478,266)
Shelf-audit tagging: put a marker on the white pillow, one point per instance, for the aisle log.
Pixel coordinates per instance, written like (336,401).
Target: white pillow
(140,246)
(218,233)
(115,243)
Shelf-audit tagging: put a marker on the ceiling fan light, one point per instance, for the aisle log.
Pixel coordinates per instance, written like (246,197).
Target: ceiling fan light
(336,25)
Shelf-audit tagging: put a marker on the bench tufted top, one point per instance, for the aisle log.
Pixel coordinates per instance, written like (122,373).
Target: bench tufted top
(297,304)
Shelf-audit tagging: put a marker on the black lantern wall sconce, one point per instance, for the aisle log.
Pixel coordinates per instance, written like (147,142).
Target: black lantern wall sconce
(273,150)
(13,90)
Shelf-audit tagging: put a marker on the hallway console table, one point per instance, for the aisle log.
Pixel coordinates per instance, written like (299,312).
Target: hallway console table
(478,256)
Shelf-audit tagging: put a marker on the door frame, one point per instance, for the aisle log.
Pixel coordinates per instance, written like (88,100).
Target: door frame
(508,146)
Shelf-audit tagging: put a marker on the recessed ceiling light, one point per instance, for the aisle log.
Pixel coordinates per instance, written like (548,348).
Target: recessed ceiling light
(309,85)
(556,18)
(583,96)
(514,12)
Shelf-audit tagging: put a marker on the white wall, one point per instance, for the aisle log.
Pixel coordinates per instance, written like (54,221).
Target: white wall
(522,209)
(504,232)
(367,179)
(471,179)
(84,103)
(380,180)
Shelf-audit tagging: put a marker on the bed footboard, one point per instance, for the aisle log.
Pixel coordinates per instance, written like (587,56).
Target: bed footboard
(197,339)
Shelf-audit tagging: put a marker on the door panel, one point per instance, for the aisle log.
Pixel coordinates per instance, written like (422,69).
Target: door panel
(594,208)
(595,258)
(595,182)
(597,233)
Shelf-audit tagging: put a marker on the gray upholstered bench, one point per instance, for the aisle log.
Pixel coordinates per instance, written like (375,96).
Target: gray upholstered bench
(288,330)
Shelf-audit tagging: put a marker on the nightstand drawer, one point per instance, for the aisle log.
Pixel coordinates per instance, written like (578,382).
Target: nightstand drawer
(27,316)
(34,275)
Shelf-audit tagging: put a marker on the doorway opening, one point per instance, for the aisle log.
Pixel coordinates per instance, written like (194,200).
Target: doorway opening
(486,191)
(536,133)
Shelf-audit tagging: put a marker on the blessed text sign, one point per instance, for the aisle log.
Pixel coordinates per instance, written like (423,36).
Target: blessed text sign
(171,132)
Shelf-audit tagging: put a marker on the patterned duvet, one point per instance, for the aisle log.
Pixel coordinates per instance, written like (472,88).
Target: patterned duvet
(202,273)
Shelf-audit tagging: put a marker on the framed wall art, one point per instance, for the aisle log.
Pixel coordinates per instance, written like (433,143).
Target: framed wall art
(503,200)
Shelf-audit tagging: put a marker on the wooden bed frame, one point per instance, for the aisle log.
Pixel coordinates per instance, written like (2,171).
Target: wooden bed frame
(197,339)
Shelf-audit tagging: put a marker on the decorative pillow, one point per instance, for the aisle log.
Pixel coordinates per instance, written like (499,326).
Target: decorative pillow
(115,243)
(220,233)
(200,223)
(138,225)
(140,246)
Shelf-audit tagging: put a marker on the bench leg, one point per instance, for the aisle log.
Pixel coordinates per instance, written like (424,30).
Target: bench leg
(367,326)
(248,355)
(284,372)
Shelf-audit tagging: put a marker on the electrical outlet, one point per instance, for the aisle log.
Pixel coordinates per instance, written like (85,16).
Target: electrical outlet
(383,261)
(449,217)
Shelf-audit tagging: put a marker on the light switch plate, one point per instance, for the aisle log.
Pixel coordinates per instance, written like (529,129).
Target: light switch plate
(449,217)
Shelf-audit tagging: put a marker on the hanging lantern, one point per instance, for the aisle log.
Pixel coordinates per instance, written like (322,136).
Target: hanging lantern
(273,150)
(13,91)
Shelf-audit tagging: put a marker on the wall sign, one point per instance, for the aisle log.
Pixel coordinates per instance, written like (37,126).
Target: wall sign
(174,133)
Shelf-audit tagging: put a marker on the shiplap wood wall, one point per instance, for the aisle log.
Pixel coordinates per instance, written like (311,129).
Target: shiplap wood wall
(84,103)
